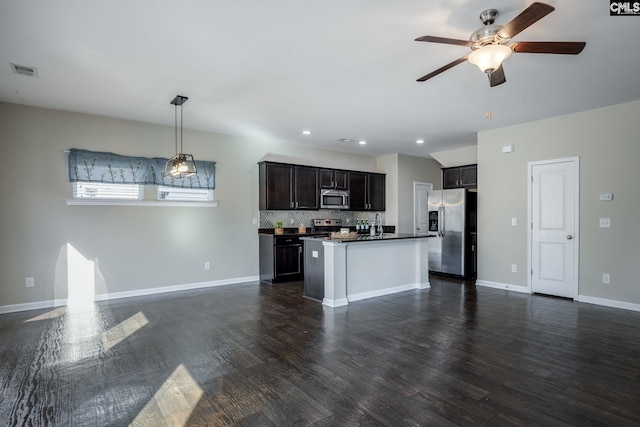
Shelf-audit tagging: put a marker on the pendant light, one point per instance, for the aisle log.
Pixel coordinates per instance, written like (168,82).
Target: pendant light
(181,165)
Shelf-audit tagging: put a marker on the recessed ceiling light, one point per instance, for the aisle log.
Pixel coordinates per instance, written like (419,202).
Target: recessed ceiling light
(420,141)
(362,142)
(306,132)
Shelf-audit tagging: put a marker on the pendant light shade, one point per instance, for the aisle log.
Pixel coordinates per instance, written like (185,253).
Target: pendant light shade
(488,58)
(181,165)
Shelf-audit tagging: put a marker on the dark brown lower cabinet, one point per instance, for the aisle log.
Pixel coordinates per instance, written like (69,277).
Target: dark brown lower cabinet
(281,258)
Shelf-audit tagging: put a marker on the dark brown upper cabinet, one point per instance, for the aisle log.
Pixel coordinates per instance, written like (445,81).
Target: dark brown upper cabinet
(286,187)
(460,177)
(366,191)
(333,178)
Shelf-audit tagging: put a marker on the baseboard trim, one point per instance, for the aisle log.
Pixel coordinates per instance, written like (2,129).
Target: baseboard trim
(504,286)
(387,291)
(341,302)
(581,298)
(175,288)
(12,308)
(609,303)
(129,294)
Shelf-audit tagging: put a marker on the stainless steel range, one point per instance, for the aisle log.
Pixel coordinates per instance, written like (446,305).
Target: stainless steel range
(322,226)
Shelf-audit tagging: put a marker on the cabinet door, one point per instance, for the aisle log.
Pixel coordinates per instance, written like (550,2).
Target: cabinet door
(450,178)
(288,262)
(327,179)
(341,180)
(306,188)
(357,191)
(279,191)
(376,192)
(469,176)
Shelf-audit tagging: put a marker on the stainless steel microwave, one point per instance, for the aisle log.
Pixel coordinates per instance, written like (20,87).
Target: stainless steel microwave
(334,199)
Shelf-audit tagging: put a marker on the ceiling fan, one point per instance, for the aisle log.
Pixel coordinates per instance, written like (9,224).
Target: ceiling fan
(489,43)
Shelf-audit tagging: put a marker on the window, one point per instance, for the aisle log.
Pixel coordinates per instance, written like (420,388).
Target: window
(104,190)
(184,194)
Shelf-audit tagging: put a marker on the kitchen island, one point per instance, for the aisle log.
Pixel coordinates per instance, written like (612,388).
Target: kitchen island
(339,271)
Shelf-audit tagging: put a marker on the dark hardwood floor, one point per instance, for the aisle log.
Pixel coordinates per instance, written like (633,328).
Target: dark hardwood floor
(258,355)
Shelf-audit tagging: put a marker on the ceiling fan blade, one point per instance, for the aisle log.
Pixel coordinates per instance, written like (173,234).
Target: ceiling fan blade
(442,69)
(496,77)
(528,17)
(444,40)
(562,48)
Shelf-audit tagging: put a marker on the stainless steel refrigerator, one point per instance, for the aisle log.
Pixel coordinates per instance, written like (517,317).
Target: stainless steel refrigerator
(452,225)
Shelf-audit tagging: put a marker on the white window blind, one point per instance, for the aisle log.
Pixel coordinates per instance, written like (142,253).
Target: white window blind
(103,190)
(184,194)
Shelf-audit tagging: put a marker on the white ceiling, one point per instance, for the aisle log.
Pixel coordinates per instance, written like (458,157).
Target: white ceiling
(343,69)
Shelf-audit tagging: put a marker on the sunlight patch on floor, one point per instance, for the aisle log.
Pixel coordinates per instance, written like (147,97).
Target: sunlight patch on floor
(173,403)
(123,330)
(53,314)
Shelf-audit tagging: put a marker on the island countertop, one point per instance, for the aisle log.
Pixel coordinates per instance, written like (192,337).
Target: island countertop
(366,237)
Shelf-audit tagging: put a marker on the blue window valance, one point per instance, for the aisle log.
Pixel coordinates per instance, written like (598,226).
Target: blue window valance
(96,166)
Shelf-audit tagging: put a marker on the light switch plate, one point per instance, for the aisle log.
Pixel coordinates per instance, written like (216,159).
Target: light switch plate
(514,221)
(507,149)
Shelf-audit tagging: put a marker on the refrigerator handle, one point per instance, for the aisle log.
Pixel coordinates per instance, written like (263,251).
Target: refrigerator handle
(444,225)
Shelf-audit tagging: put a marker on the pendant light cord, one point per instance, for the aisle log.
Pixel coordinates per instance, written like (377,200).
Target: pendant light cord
(175,120)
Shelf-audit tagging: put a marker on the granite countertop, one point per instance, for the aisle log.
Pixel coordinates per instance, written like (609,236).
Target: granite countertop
(368,238)
(293,232)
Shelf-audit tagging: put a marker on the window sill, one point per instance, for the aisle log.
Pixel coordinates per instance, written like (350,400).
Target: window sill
(168,204)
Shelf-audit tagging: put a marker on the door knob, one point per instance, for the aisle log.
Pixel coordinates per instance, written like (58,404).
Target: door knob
(569,237)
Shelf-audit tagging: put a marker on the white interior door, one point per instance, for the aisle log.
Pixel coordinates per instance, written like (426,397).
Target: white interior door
(420,213)
(554,222)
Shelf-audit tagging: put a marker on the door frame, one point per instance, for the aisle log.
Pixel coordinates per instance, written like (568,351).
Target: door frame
(576,201)
(415,187)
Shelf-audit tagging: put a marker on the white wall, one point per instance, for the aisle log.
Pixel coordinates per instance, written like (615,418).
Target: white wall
(402,171)
(413,169)
(607,143)
(134,248)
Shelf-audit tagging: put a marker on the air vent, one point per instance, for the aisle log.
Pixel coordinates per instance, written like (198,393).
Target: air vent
(24,70)
(345,140)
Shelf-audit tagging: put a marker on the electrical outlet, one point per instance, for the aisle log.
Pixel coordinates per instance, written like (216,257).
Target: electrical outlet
(514,268)
(606,197)
(255,221)
(605,222)
(30,282)
(207,265)
(606,278)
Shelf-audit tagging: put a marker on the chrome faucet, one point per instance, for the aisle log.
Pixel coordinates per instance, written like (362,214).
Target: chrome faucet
(378,223)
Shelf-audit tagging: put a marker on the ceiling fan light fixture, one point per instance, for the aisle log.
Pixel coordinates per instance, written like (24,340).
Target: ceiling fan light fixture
(489,57)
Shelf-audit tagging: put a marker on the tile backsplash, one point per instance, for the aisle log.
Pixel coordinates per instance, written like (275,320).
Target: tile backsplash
(305,218)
